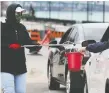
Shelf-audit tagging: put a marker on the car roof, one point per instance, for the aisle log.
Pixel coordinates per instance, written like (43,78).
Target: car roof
(89,28)
(93,25)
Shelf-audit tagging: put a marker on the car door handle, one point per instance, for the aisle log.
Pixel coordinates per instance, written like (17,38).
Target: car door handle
(108,57)
(97,60)
(89,63)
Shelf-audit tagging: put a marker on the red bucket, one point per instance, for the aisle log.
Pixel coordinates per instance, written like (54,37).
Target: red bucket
(74,61)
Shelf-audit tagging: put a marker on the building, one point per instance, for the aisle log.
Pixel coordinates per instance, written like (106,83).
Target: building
(97,11)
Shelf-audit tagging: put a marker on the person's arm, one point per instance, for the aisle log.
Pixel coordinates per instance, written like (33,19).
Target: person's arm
(98,47)
(4,42)
(27,40)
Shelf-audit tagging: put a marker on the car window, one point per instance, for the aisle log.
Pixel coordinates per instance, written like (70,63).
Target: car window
(65,36)
(94,33)
(76,38)
(106,35)
(72,35)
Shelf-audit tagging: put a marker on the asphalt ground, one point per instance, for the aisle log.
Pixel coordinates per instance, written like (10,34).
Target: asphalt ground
(37,73)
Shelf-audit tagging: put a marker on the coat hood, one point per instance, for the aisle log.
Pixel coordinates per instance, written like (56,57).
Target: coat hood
(10,13)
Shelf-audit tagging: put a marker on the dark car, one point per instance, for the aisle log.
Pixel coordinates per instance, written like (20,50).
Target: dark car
(57,67)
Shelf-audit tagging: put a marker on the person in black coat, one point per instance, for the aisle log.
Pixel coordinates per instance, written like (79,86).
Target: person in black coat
(13,66)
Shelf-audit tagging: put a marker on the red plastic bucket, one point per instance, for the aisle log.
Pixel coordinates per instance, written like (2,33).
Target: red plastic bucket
(74,61)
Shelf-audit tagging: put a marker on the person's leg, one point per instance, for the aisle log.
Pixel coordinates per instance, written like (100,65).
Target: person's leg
(20,83)
(7,83)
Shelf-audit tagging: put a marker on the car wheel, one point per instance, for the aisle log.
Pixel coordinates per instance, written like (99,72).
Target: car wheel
(107,86)
(85,86)
(68,83)
(74,83)
(52,83)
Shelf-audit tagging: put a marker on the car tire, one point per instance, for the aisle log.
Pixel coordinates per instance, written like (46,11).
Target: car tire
(107,86)
(85,85)
(74,83)
(52,83)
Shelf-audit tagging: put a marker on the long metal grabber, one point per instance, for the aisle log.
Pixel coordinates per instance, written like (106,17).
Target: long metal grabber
(47,45)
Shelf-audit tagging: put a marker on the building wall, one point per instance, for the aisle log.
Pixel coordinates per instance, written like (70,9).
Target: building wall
(72,10)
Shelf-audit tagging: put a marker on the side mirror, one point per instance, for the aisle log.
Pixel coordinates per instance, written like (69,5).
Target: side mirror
(53,42)
(85,43)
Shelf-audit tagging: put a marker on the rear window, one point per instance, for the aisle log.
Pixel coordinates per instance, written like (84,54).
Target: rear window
(94,33)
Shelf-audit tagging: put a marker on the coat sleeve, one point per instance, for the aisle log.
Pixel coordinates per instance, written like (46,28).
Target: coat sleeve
(4,42)
(98,47)
(27,40)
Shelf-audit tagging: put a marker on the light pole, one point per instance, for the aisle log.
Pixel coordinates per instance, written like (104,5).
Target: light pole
(49,9)
(103,11)
(87,11)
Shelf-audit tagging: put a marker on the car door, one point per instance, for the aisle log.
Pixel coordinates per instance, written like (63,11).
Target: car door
(98,66)
(97,70)
(57,57)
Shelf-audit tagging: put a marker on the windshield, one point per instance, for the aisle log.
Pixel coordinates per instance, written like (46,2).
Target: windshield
(94,33)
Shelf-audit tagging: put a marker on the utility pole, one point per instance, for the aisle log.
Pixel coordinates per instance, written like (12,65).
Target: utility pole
(87,11)
(49,9)
(103,11)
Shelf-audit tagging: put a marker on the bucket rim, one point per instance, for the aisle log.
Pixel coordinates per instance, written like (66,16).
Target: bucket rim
(74,53)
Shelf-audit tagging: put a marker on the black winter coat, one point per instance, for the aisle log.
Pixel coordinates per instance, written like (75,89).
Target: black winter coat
(13,61)
(98,47)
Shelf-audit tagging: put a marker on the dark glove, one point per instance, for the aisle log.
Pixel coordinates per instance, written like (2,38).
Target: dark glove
(15,46)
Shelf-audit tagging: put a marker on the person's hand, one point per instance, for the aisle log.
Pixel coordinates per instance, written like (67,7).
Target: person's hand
(82,49)
(15,46)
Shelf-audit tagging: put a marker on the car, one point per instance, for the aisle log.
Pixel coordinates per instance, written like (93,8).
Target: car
(97,71)
(57,67)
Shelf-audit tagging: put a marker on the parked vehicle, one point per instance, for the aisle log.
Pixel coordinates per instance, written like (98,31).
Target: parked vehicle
(57,67)
(97,71)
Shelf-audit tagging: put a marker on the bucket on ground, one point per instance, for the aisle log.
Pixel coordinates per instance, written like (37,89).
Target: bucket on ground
(74,61)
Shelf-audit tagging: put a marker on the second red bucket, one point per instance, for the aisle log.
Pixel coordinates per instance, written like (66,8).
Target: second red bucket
(74,61)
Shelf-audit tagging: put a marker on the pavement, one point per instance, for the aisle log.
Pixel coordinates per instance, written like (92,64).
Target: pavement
(37,72)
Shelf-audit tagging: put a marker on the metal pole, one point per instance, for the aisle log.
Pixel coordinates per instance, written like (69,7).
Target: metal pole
(58,11)
(49,9)
(87,11)
(103,11)
(72,9)
(51,45)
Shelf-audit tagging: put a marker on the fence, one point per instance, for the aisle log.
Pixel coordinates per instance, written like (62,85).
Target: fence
(35,35)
